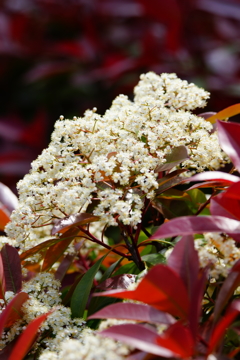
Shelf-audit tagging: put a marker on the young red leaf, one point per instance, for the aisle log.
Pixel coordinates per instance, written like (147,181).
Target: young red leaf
(64,266)
(55,251)
(169,296)
(229,286)
(2,279)
(13,311)
(73,220)
(8,198)
(27,338)
(222,325)
(229,135)
(227,203)
(188,225)
(214,176)
(39,248)
(129,311)
(4,216)
(225,113)
(178,155)
(184,261)
(170,180)
(12,268)
(178,339)
(138,336)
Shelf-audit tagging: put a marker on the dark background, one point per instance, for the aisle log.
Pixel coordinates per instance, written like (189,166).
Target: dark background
(60,57)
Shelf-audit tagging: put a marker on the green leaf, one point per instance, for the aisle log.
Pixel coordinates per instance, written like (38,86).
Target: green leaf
(130,268)
(81,293)
(154,259)
(110,270)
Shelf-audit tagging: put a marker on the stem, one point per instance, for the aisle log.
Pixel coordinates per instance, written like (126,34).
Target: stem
(94,239)
(133,249)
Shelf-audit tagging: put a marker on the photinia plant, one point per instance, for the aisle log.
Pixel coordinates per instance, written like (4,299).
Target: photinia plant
(173,295)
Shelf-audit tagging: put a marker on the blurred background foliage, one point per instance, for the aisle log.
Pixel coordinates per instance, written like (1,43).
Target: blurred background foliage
(61,57)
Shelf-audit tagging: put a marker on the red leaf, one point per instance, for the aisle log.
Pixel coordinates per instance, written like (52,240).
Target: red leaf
(227,203)
(188,225)
(38,248)
(225,113)
(8,198)
(138,336)
(129,311)
(2,279)
(117,282)
(73,220)
(178,338)
(55,251)
(170,296)
(12,268)
(64,266)
(4,217)
(178,155)
(229,135)
(13,311)
(229,286)
(184,261)
(222,325)
(27,338)
(214,176)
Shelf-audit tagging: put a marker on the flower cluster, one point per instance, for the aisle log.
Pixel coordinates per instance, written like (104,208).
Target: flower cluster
(110,162)
(44,295)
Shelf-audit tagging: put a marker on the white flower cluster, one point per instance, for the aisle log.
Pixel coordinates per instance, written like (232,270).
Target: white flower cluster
(218,250)
(44,295)
(89,347)
(110,161)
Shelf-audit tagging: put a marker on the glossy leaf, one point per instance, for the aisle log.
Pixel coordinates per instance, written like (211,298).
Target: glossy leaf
(189,225)
(184,261)
(170,296)
(178,338)
(170,180)
(64,266)
(8,198)
(4,216)
(55,251)
(27,338)
(225,113)
(12,311)
(2,279)
(154,259)
(81,293)
(220,328)
(227,203)
(12,268)
(227,289)
(139,337)
(229,135)
(110,270)
(214,176)
(117,282)
(73,220)
(178,155)
(138,312)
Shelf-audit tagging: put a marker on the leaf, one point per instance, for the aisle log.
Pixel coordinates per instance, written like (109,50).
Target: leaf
(184,261)
(189,225)
(55,251)
(83,288)
(154,259)
(219,176)
(170,180)
(225,113)
(137,312)
(73,220)
(229,135)
(12,268)
(4,217)
(13,311)
(138,336)
(220,328)
(110,270)
(178,155)
(27,338)
(38,248)
(227,289)
(227,203)
(130,268)
(2,279)
(178,338)
(8,198)
(64,266)
(170,296)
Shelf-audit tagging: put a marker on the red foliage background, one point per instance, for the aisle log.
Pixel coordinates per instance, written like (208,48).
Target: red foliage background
(62,57)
